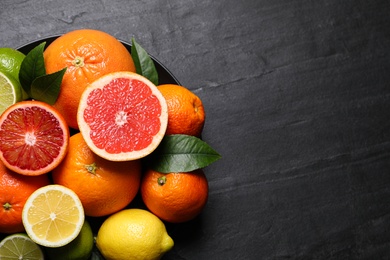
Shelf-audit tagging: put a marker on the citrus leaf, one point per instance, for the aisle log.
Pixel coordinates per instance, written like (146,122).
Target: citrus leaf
(33,66)
(182,153)
(144,65)
(46,88)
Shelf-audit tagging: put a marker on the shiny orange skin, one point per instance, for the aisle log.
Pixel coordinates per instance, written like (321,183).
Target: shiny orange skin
(175,197)
(87,54)
(14,192)
(104,187)
(186,114)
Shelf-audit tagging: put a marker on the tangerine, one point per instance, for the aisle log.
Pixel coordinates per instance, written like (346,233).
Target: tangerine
(87,54)
(122,116)
(34,137)
(103,186)
(186,114)
(15,189)
(175,197)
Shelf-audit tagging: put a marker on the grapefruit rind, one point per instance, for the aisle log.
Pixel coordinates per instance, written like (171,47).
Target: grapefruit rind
(86,130)
(62,124)
(29,212)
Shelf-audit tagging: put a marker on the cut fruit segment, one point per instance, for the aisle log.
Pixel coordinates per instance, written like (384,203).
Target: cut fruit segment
(10,91)
(34,138)
(122,116)
(53,216)
(20,246)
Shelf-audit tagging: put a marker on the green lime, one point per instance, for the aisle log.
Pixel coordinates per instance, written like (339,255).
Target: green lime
(20,246)
(79,249)
(10,62)
(10,91)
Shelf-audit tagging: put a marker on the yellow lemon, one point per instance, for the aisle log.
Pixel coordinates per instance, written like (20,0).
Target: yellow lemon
(133,234)
(53,216)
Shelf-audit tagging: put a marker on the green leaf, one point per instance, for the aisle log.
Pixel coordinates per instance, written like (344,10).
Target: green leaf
(46,88)
(144,65)
(33,66)
(181,153)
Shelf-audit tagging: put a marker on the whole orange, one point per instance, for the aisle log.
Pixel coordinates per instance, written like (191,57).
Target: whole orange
(14,192)
(175,197)
(104,187)
(186,114)
(87,54)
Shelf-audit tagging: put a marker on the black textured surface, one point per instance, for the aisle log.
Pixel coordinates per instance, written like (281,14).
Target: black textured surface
(297,99)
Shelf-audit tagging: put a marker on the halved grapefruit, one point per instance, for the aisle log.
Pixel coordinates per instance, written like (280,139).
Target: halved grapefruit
(122,116)
(33,138)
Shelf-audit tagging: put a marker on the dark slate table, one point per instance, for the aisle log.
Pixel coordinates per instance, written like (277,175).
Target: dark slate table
(297,95)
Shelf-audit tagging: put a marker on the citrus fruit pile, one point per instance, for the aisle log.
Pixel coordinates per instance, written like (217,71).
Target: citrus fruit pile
(84,128)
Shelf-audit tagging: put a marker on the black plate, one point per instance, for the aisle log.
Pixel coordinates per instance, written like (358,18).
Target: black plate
(164,75)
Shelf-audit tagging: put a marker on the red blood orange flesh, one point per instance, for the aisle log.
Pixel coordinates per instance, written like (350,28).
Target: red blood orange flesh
(33,138)
(122,116)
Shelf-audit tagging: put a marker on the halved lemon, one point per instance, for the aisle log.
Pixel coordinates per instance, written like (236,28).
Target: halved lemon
(53,216)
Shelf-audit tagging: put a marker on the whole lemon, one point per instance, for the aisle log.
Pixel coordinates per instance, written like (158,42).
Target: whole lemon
(133,234)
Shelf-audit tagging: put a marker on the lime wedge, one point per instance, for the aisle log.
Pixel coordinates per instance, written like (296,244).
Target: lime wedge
(10,91)
(20,246)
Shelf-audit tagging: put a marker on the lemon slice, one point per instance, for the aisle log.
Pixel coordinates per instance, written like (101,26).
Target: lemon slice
(53,216)
(10,91)
(20,246)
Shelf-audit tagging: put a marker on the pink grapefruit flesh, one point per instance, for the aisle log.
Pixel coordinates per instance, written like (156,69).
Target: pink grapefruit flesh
(33,138)
(122,116)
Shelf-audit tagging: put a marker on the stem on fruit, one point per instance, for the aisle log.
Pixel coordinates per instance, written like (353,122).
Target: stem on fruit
(78,62)
(162,180)
(7,206)
(91,168)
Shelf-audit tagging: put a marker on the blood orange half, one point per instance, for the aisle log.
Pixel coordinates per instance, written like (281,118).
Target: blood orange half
(33,138)
(122,116)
